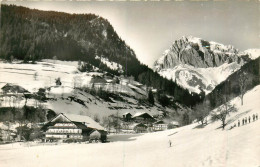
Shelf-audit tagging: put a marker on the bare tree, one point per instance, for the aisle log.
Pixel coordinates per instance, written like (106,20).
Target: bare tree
(243,82)
(222,112)
(201,111)
(107,122)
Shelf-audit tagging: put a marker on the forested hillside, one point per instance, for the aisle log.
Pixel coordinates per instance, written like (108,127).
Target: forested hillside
(233,86)
(31,35)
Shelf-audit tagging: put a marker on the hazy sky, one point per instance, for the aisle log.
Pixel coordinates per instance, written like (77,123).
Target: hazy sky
(149,28)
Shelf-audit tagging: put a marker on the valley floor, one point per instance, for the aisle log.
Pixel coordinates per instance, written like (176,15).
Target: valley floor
(191,146)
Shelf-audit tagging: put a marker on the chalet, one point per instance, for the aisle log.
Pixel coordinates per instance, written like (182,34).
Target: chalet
(143,117)
(14,89)
(139,128)
(7,135)
(134,128)
(173,124)
(159,126)
(74,127)
(127,117)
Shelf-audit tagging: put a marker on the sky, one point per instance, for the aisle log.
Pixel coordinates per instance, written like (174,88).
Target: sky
(150,28)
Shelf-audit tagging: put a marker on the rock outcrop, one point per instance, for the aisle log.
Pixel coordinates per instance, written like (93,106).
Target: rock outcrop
(198,53)
(199,65)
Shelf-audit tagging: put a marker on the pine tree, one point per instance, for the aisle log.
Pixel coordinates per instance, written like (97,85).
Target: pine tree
(150,97)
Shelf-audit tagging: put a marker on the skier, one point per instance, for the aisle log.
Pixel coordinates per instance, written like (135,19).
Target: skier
(256,116)
(253,117)
(249,119)
(238,123)
(243,121)
(170,143)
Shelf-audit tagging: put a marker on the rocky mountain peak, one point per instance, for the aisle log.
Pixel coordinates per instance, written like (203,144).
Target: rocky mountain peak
(199,65)
(198,53)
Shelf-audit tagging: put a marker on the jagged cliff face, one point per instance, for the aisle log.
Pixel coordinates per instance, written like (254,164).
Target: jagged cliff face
(199,65)
(198,53)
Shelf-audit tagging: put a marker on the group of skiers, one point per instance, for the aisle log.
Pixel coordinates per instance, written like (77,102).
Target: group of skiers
(246,120)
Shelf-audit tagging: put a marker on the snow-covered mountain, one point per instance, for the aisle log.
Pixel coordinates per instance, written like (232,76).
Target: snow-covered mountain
(252,53)
(197,65)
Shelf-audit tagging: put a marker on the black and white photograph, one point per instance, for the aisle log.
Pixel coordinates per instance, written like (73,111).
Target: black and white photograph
(130,83)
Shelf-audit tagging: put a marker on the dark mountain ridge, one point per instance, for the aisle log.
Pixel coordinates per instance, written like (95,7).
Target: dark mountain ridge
(31,35)
(27,34)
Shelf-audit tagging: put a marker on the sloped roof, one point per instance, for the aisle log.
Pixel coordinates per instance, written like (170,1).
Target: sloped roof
(11,88)
(127,113)
(82,118)
(140,114)
(175,123)
(80,125)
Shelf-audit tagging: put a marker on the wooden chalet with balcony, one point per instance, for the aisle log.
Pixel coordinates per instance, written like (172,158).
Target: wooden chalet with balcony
(159,125)
(72,127)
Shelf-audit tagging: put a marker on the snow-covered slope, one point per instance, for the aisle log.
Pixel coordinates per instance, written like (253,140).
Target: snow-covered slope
(253,53)
(200,65)
(43,75)
(111,65)
(192,146)
(197,79)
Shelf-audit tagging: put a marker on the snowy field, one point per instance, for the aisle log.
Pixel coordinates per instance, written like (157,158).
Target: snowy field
(192,146)
(48,70)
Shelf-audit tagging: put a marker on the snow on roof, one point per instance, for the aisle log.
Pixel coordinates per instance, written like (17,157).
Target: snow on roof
(82,118)
(14,88)
(126,113)
(140,113)
(175,123)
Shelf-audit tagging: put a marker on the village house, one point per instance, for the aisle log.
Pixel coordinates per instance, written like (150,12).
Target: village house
(14,90)
(73,127)
(7,135)
(159,125)
(174,124)
(139,128)
(143,118)
(127,117)
(134,128)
